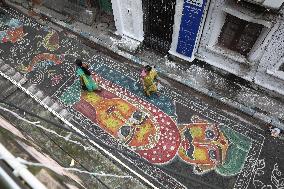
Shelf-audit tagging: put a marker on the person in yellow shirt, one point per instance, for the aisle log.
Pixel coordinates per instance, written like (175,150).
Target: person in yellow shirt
(149,80)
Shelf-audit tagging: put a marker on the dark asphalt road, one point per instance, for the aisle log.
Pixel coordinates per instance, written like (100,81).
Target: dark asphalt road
(187,139)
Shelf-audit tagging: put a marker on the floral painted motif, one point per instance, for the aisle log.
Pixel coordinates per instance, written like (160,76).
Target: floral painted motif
(14,33)
(51,41)
(44,60)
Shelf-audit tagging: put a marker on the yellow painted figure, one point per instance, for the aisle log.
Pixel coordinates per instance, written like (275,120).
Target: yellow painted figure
(149,80)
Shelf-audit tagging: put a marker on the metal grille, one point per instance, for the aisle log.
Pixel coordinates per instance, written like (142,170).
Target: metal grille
(158,23)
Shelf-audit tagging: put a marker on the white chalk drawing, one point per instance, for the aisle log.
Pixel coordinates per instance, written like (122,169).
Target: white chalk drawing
(276,178)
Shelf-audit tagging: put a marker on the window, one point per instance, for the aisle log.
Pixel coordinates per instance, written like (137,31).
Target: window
(239,35)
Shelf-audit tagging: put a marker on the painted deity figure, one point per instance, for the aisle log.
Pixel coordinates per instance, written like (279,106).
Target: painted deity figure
(155,136)
(202,145)
(142,127)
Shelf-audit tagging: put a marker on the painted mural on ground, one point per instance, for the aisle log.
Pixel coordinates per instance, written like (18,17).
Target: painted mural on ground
(153,134)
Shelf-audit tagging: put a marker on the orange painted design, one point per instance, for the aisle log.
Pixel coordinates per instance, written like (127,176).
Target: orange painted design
(112,114)
(133,121)
(143,134)
(13,35)
(203,144)
(44,56)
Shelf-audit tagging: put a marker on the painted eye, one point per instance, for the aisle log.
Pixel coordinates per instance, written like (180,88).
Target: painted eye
(125,131)
(212,154)
(209,134)
(137,117)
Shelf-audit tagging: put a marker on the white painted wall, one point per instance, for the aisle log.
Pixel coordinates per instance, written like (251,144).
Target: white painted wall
(267,74)
(176,28)
(128,16)
(273,4)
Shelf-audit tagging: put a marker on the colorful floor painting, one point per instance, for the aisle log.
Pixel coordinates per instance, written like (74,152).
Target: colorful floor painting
(172,131)
(154,134)
(13,33)
(48,60)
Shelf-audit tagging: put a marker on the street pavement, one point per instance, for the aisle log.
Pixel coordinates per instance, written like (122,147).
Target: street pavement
(175,140)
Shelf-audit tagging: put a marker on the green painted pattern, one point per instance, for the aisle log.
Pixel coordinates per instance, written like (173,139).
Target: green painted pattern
(237,152)
(72,94)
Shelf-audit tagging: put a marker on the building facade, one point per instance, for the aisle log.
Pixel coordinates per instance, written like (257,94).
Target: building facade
(242,37)
(245,38)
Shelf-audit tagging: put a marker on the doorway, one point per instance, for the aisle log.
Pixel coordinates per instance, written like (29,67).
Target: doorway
(158,24)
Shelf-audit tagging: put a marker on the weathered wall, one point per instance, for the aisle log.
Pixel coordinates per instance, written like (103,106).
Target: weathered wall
(263,61)
(267,75)
(218,57)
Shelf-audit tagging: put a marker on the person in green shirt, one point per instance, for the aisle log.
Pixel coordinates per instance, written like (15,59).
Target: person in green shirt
(83,72)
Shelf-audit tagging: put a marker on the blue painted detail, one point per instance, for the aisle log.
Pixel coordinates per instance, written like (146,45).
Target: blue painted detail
(14,23)
(190,23)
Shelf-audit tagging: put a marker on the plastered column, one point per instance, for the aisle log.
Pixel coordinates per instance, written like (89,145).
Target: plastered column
(128,16)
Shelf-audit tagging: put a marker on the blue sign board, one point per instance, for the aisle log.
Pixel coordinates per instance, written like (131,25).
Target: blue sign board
(190,23)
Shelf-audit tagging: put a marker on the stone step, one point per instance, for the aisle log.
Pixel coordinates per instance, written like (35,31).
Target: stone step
(56,107)
(17,98)
(32,88)
(65,114)
(4,84)
(4,68)
(26,85)
(17,77)
(23,81)
(8,91)
(13,95)
(10,72)
(48,101)
(40,95)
